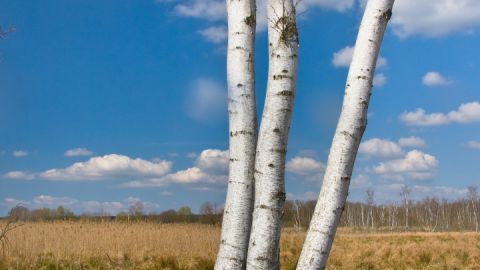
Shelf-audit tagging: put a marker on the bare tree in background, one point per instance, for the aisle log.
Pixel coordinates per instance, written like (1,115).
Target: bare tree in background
(473,197)
(349,132)
(370,203)
(405,193)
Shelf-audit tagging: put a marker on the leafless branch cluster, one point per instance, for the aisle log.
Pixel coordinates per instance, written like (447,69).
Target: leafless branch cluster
(4,33)
(285,24)
(8,227)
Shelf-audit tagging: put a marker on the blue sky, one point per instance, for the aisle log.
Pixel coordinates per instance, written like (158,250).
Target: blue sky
(105,103)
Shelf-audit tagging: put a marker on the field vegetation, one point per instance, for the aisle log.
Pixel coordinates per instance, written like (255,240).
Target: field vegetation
(151,245)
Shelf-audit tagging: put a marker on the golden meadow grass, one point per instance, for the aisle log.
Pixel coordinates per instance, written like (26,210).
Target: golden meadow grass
(87,245)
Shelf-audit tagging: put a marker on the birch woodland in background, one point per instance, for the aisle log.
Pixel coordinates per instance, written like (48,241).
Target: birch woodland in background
(263,250)
(349,132)
(242,113)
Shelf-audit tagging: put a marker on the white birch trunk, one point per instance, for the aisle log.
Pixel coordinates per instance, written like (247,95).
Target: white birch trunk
(242,112)
(263,250)
(350,128)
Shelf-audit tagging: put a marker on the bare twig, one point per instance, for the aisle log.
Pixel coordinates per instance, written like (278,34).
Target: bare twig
(9,226)
(4,33)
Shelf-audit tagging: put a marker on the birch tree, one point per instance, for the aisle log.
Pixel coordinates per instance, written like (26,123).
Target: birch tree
(263,250)
(405,193)
(349,132)
(242,112)
(473,197)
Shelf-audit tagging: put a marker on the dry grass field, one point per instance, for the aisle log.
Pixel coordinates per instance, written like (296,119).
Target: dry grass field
(78,245)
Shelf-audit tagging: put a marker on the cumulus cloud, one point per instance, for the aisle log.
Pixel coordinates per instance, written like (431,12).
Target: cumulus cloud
(415,165)
(411,141)
(48,201)
(361,181)
(212,10)
(435,18)
(214,34)
(19,175)
(343,58)
(215,10)
(433,78)
(380,148)
(304,166)
(77,152)
(474,145)
(206,101)
(211,167)
(379,80)
(20,153)
(213,160)
(466,113)
(107,167)
(307,167)
(12,202)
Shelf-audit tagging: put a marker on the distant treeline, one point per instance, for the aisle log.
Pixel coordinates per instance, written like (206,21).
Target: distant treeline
(430,214)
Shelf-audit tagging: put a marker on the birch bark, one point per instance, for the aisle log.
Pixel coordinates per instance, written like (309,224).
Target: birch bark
(263,250)
(350,128)
(242,113)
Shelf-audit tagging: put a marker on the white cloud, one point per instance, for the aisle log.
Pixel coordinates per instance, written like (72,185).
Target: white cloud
(193,175)
(474,145)
(213,160)
(415,165)
(379,80)
(78,152)
(19,175)
(420,118)
(211,167)
(50,201)
(411,141)
(307,167)
(380,148)
(190,175)
(466,113)
(12,202)
(107,167)
(211,10)
(433,78)
(435,18)
(304,166)
(361,181)
(215,10)
(343,58)
(215,34)
(206,101)
(20,153)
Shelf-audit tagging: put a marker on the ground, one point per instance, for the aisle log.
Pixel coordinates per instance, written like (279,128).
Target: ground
(110,245)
